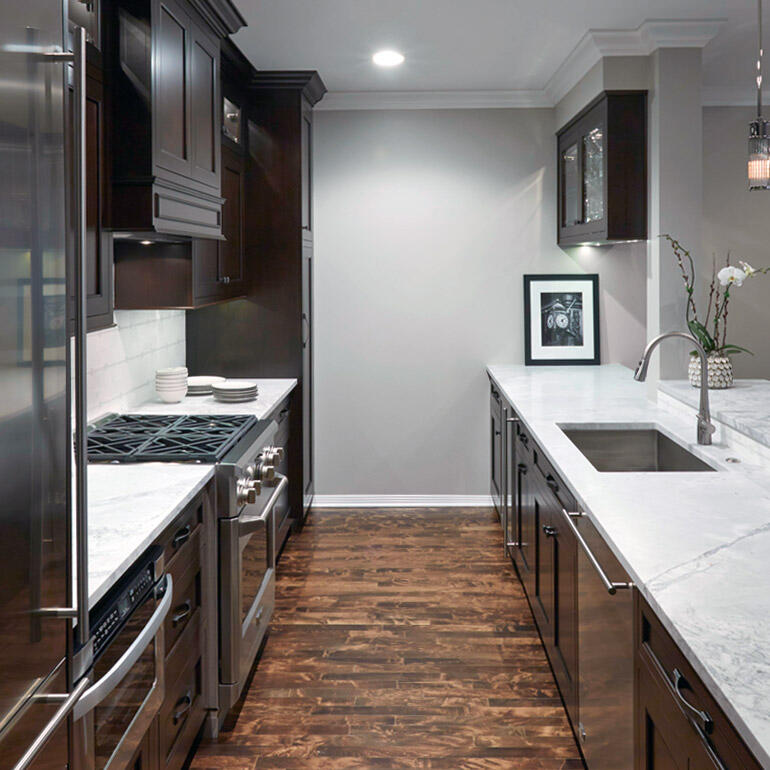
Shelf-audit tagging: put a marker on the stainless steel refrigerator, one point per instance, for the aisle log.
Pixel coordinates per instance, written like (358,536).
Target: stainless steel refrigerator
(40,399)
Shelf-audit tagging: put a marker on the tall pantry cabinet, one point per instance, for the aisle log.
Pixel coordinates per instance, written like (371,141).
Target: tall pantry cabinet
(273,324)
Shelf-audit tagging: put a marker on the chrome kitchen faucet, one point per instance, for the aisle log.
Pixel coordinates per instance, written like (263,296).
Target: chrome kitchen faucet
(705,427)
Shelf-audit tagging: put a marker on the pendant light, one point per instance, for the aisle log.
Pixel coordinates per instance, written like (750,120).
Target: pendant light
(759,133)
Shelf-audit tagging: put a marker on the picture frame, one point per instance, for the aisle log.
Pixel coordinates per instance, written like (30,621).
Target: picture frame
(561,320)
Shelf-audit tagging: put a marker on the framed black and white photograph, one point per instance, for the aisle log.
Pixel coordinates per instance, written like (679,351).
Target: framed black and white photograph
(561,319)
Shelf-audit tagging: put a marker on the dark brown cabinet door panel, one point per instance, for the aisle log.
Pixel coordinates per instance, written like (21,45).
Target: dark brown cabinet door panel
(307,374)
(204,97)
(231,249)
(99,302)
(171,99)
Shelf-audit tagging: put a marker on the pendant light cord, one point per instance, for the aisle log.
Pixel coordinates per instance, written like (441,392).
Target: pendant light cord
(759,61)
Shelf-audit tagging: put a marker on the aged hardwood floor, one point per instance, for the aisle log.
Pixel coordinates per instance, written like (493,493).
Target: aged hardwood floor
(401,639)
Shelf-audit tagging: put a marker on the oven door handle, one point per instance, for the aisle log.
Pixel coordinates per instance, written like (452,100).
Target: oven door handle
(95,694)
(248,525)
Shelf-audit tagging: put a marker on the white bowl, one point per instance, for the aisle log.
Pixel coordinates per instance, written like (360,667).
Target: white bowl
(172,396)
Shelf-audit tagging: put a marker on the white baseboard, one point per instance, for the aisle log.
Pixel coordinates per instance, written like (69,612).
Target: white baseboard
(402,501)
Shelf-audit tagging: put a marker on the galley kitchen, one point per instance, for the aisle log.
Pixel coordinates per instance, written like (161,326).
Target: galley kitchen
(384,385)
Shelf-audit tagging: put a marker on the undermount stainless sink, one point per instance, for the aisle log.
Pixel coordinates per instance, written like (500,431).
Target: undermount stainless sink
(634,450)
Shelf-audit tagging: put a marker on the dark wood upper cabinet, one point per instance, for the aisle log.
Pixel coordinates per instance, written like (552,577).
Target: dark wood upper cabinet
(165,66)
(602,172)
(99,298)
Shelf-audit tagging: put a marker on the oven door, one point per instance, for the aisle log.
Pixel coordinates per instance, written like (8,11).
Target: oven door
(247,584)
(114,714)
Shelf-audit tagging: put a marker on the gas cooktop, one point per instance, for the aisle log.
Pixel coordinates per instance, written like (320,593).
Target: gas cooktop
(130,438)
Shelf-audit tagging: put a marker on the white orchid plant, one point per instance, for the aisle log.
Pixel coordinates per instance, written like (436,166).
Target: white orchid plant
(712,331)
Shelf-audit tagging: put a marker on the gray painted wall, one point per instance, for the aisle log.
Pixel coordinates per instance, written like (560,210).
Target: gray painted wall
(737,220)
(425,223)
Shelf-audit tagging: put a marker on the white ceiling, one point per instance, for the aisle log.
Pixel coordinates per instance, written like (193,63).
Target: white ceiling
(473,45)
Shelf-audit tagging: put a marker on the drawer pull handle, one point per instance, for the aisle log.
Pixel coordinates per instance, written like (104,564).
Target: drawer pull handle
(703,716)
(611,586)
(522,469)
(550,531)
(183,705)
(551,483)
(181,612)
(182,536)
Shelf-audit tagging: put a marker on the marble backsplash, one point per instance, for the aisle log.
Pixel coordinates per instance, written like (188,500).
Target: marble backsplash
(122,359)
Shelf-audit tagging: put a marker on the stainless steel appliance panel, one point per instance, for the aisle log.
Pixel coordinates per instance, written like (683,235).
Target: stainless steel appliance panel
(606,656)
(34,425)
(246,589)
(128,687)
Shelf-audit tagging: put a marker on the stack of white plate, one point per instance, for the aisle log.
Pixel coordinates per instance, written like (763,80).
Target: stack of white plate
(201,385)
(234,391)
(171,384)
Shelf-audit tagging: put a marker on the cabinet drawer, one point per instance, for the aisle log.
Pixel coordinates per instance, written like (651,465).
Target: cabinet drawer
(182,712)
(552,480)
(524,443)
(178,212)
(178,539)
(710,729)
(185,569)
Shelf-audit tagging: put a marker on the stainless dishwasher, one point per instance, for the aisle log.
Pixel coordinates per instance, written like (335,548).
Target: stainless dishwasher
(606,652)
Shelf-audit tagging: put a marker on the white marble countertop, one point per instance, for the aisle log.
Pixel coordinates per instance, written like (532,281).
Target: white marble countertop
(128,507)
(696,544)
(744,407)
(270,393)
(130,504)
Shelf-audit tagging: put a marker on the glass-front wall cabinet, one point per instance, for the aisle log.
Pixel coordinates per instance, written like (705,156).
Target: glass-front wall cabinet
(603,149)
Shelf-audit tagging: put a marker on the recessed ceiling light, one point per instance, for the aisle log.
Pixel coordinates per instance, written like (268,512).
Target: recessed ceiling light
(388,58)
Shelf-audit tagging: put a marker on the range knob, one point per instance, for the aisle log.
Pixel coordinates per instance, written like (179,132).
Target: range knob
(247,491)
(273,454)
(264,471)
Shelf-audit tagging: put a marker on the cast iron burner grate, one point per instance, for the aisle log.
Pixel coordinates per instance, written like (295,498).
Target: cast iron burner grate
(130,438)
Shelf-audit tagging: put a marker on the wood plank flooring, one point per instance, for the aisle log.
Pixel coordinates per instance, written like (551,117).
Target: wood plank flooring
(401,639)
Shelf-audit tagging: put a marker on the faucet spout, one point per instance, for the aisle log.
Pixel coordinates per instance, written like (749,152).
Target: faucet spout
(705,426)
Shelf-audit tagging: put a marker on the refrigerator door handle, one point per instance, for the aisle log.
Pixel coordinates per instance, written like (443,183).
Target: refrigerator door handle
(99,691)
(61,715)
(81,419)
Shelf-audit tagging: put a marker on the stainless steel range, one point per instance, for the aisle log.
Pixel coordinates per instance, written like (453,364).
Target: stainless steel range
(249,495)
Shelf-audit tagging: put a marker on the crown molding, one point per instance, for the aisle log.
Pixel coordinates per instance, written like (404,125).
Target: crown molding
(432,100)
(402,501)
(727,96)
(642,41)
(593,46)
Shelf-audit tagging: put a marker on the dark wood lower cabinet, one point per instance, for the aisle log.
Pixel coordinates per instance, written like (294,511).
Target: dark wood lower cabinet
(190,668)
(679,725)
(554,601)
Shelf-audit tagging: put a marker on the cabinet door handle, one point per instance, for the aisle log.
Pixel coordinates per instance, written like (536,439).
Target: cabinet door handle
(551,483)
(183,705)
(703,716)
(522,469)
(550,531)
(182,536)
(524,440)
(305,330)
(181,612)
